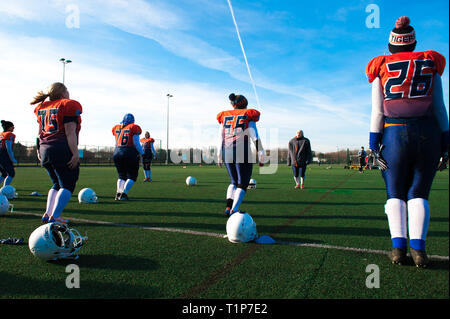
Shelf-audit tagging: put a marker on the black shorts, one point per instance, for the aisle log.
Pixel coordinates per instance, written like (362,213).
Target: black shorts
(54,159)
(126,160)
(147,160)
(6,166)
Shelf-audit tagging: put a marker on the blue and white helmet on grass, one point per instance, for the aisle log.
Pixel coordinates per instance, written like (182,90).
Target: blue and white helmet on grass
(241,228)
(87,196)
(4,205)
(55,241)
(9,191)
(191,181)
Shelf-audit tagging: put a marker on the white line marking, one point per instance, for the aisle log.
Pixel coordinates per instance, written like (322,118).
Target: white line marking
(219,235)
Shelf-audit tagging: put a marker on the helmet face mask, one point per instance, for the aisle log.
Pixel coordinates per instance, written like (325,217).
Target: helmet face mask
(55,241)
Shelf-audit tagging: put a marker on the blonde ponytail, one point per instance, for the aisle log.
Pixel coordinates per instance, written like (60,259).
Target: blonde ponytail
(55,92)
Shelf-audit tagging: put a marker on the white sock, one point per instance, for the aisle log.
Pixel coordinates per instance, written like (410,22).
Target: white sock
(302,179)
(120,185)
(51,200)
(395,210)
(297,180)
(128,184)
(62,198)
(418,218)
(238,198)
(8,181)
(230,191)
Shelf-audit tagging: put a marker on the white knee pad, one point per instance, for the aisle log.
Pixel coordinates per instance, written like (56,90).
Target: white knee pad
(395,210)
(418,218)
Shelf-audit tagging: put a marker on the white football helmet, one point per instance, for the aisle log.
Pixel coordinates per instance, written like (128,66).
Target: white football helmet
(252,184)
(54,241)
(9,191)
(241,228)
(4,205)
(191,181)
(88,196)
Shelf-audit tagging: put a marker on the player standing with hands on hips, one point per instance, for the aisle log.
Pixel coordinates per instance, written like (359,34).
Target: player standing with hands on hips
(237,128)
(57,146)
(409,133)
(7,159)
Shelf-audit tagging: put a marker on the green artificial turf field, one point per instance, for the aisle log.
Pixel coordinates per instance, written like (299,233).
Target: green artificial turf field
(148,252)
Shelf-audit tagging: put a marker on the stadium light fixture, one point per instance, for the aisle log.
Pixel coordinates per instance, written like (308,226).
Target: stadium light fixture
(167,145)
(64,62)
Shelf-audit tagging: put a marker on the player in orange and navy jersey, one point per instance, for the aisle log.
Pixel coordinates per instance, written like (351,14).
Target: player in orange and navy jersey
(126,154)
(237,128)
(409,134)
(149,155)
(7,159)
(57,145)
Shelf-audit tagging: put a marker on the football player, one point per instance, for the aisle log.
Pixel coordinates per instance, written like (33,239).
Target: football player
(237,128)
(7,159)
(57,146)
(149,155)
(409,133)
(126,154)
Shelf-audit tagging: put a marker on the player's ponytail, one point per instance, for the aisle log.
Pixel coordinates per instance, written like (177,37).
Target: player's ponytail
(238,101)
(6,125)
(56,91)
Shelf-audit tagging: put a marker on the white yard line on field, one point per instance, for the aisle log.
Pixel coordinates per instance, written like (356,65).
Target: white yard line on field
(218,235)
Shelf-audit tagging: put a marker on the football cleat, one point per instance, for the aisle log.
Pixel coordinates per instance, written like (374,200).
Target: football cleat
(45,219)
(398,256)
(297,186)
(123,196)
(117,196)
(419,257)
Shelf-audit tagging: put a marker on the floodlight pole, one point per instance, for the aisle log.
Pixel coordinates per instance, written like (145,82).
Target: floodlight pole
(64,62)
(167,145)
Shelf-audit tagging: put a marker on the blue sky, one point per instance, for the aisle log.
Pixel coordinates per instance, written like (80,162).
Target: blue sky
(307,59)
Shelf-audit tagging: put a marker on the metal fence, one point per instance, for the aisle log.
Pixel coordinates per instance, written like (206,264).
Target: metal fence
(94,155)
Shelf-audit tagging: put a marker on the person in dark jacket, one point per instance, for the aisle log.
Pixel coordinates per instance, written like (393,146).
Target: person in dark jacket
(300,156)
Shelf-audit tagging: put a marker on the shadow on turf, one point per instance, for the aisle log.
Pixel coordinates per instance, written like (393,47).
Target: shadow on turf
(16,286)
(111,262)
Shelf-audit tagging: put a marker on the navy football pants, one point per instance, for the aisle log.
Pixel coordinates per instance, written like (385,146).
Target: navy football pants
(412,152)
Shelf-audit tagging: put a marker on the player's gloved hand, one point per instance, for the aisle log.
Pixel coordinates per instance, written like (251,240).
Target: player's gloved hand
(443,162)
(261,158)
(379,159)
